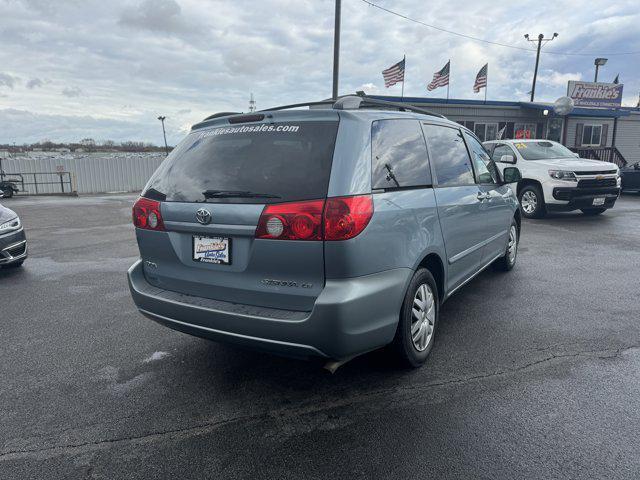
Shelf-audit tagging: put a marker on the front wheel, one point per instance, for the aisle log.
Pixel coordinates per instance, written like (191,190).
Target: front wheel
(532,202)
(8,193)
(418,320)
(508,261)
(593,211)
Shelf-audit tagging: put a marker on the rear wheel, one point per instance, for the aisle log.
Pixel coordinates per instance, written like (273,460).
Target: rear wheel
(593,211)
(7,193)
(418,320)
(532,202)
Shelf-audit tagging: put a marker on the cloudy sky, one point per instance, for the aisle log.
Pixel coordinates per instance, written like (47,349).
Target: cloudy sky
(106,69)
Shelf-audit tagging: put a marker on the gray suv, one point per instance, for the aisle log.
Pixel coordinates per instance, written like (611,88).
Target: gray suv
(324,232)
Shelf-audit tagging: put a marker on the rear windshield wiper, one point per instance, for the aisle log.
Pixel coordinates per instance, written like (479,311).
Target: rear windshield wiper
(236,193)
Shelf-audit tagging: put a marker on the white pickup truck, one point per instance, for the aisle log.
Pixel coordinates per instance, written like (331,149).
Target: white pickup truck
(556,179)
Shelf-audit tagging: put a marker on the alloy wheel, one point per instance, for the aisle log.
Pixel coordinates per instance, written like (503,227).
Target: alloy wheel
(529,202)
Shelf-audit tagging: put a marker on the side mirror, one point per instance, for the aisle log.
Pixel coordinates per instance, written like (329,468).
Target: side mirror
(577,155)
(507,159)
(511,175)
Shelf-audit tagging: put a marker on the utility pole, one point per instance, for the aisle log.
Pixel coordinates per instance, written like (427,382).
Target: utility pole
(164,134)
(336,50)
(540,41)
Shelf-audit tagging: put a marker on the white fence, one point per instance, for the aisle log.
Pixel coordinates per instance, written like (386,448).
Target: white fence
(91,172)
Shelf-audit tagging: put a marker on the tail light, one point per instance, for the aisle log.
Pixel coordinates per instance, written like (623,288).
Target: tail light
(338,218)
(146,214)
(291,221)
(346,217)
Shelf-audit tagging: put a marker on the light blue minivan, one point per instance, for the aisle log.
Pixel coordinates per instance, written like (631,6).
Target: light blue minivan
(323,232)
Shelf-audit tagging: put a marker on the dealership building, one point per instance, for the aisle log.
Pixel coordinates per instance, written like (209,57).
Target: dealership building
(608,132)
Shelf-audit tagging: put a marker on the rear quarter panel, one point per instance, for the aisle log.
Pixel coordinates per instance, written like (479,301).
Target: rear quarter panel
(403,230)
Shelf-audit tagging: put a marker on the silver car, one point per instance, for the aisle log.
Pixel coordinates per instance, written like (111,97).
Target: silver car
(326,232)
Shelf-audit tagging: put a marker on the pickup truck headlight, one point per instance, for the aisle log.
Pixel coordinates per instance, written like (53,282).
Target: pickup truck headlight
(563,175)
(10,226)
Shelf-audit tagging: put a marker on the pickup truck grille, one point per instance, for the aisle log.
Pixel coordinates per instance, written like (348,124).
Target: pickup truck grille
(593,183)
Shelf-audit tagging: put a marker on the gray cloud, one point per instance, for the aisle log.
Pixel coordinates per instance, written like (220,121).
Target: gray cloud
(7,80)
(157,15)
(182,56)
(34,82)
(72,92)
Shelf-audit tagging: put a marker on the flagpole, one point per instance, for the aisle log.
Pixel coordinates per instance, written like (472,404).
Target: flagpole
(486,87)
(404,74)
(449,62)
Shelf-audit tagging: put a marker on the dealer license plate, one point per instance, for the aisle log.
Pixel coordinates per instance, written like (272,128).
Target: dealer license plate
(212,249)
(598,201)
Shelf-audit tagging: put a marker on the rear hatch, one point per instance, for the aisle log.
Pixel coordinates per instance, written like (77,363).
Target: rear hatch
(212,190)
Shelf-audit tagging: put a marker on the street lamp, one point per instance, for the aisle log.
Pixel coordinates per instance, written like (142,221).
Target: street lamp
(598,63)
(164,134)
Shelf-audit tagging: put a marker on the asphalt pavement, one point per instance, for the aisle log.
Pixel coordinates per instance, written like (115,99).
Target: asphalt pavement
(534,374)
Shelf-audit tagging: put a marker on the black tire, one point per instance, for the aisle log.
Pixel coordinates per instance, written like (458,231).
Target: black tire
(532,192)
(593,211)
(403,343)
(8,193)
(14,265)
(508,261)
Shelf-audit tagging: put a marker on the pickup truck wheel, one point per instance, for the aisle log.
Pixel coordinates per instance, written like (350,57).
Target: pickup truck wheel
(593,211)
(8,193)
(508,261)
(532,202)
(418,320)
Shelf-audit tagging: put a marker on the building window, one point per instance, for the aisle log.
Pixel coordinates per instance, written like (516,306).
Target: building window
(486,131)
(554,129)
(525,130)
(591,135)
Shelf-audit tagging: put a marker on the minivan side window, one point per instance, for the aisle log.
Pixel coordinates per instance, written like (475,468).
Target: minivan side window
(486,171)
(449,156)
(398,155)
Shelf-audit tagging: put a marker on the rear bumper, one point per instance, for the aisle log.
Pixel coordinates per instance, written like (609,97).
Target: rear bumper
(350,316)
(576,198)
(13,247)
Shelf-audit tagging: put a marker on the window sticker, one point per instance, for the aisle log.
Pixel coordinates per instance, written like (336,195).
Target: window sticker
(521,146)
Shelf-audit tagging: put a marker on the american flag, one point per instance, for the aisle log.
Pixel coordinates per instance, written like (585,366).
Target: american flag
(394,74)
(441,78)
(481,79)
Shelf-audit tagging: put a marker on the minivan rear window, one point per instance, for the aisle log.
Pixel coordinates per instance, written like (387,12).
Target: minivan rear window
(252,163)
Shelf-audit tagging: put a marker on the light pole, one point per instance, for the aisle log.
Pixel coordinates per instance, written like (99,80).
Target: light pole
(599,62)
(535,72)
(336,49)
(164,134)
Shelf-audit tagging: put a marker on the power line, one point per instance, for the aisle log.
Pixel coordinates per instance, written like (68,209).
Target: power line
(490,42)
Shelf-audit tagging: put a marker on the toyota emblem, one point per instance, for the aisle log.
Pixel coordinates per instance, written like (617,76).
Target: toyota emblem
(203,216)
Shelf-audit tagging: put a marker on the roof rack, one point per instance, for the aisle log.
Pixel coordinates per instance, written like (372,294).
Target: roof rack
(356,102)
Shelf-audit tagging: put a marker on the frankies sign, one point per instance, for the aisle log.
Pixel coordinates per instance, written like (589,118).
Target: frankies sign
(590,94)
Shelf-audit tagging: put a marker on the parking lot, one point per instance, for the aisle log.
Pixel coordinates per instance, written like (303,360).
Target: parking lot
(534,374)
